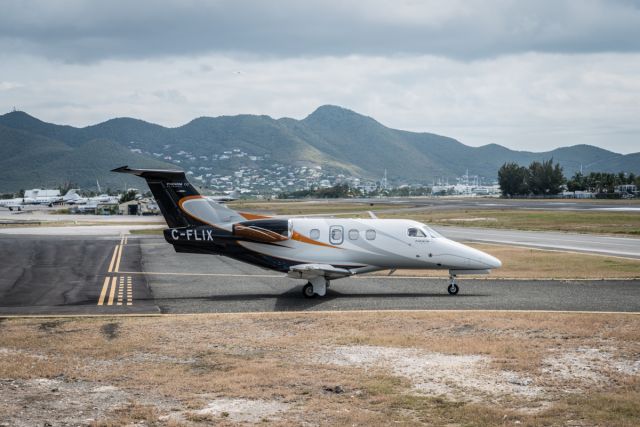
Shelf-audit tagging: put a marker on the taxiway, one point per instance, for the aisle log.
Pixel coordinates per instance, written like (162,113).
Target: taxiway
(143,275)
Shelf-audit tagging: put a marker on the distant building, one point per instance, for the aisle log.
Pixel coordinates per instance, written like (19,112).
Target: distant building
(139,207)
(578,194)
(627,188)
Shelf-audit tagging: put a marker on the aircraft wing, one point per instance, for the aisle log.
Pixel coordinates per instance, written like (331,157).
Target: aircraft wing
(310,271)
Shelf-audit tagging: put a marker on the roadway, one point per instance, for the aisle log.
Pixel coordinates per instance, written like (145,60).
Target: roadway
(136,275)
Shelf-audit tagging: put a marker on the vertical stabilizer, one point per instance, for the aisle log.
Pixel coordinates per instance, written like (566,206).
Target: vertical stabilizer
(180,203)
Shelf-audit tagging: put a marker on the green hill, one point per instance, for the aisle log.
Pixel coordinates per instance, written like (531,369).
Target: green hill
(37,153)
(29,161)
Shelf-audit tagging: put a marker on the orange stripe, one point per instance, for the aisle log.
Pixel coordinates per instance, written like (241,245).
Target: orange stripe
(246,215)
(304,239)
(184,199)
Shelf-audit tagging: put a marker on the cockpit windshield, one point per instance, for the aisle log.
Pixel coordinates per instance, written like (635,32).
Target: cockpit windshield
(415,232)
(430,231)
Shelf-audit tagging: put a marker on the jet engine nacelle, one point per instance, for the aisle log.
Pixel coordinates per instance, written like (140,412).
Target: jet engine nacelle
(263,230)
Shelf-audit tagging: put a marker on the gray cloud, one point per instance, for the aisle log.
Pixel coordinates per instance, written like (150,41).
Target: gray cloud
(526,101)
(528,75)
(80,31)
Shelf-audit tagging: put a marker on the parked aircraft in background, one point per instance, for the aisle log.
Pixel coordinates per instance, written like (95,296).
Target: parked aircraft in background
(233,195)
(317,250)
(39,196)
(17,203)
(73,198)
(35,198)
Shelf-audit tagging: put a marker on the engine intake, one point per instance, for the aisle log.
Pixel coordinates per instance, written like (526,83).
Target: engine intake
(263,230)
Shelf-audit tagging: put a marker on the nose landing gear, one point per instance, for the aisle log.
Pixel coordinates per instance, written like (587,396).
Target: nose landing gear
(453,287)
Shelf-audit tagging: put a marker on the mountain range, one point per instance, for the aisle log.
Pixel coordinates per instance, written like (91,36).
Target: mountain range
(34,153)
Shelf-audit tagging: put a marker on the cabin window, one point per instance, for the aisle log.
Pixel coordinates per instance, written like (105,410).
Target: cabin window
(354,234)
(315,234)
(415,232)
(336,234)
(370,234)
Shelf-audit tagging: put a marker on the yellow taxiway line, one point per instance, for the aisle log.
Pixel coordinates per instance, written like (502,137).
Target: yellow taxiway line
(117,266)
(117,282)
(103,294)
(113,259)
(114,283)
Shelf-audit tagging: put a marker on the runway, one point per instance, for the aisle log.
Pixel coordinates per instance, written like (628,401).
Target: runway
(466,203)
(627,247)
(143,275)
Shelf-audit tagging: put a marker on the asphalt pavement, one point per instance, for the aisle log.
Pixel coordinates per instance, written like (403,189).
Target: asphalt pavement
(136,275)
(466,203)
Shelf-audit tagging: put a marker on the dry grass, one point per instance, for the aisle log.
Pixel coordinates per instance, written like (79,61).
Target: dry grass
(149,231)
(328,207)
(527,263)
(626,223)
(167,369)
(539,220)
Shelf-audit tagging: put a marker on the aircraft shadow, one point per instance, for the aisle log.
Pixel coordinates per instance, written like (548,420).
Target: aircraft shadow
(293,299)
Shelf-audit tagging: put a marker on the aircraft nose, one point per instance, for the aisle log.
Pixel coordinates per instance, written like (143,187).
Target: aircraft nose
(492,261)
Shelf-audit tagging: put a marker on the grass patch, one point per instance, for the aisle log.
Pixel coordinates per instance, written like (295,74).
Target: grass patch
(148,231)
(536,220)
(315,207)
(527,263)
(625,223)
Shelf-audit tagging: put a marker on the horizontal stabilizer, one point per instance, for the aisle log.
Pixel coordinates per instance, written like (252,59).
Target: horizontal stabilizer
(150,173)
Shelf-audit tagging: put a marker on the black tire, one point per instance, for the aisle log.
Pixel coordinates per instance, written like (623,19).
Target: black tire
(453,289)
(307,291)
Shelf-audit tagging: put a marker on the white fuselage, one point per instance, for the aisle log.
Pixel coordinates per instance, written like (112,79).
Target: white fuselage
(382,243)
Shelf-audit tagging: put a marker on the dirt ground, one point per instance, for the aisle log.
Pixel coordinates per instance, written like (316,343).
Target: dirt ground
(357,368)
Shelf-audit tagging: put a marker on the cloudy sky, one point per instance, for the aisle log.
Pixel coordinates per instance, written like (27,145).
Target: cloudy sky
(527,75)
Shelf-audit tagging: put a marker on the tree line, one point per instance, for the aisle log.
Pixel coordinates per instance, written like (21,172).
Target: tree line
(345,191)
(546,178)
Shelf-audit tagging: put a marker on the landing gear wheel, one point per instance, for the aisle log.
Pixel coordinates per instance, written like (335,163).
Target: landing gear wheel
(453,289)
(307,291)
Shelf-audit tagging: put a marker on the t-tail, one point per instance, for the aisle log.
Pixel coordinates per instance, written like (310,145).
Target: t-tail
(179,201)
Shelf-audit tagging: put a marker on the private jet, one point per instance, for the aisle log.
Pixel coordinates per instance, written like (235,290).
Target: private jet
(73,198)
(317,250)
(16,203)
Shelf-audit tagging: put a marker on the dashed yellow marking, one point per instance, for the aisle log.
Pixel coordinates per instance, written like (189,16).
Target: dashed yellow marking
(129,291)
(120,290)
(119,283)
(103,293)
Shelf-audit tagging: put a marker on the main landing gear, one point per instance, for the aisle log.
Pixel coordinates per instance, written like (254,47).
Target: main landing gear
(316,286)
(453,287)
